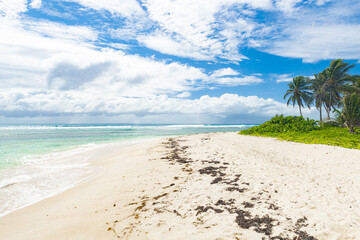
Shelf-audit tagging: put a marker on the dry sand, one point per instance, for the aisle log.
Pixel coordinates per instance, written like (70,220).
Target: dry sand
(206,186)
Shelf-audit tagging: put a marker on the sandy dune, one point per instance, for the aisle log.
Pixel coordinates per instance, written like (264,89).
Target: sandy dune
(206,186)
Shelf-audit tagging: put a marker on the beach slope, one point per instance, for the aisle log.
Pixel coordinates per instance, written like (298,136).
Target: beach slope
(205,186)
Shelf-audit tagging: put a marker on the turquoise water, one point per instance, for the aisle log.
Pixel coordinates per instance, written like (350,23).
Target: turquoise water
(37,161)
(19,142)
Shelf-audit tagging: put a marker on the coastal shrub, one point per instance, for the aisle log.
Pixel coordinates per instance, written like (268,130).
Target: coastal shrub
(331,124)
(328,135)
(280,124)
(334,136)
(350,113)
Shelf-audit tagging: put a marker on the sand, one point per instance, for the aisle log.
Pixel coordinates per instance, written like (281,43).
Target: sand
(205,186)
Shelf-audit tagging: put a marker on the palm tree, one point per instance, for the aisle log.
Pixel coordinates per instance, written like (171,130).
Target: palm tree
(318,95)
(356,81)
(337,82)
(350,113)
(299,92)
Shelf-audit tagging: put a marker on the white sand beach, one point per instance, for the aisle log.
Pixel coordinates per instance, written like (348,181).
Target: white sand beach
(204,186)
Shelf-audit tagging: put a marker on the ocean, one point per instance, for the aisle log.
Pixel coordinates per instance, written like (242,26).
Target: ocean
(38,161)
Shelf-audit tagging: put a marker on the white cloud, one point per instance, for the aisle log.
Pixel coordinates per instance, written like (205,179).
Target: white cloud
(130,75)
(59,57)
(282,77)
(218,29)
(27,50)
(11,8)
(44,54)
(214,108)
(60,31)
(317,42)
(322,2)
(52,68)
(230,77)
(35,3)
(119,46)
(63,73)
(184,95)
(124,7)
(211,30)
(287,6)
(224,72)
(177,47)
(235,81)
(318,33)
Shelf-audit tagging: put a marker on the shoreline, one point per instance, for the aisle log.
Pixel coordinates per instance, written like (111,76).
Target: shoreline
(64,207)
(216,185)
(93,172)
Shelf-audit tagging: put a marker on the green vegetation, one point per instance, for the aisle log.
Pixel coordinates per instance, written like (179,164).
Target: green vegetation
(281,124)
(333,89)
(336,83)
(298,129)
(350,114)
(299,92)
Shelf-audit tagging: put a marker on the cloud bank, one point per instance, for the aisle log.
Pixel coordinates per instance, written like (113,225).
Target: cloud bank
(64,64)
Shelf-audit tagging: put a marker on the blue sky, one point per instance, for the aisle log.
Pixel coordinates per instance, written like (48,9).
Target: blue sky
(165,61)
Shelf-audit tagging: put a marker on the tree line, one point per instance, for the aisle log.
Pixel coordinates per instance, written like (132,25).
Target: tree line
(333,89)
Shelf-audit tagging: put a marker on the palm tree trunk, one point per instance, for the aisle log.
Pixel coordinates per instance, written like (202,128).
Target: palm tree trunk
(300,110)
(350,127)
(320,114)
(328,108)
(328,113)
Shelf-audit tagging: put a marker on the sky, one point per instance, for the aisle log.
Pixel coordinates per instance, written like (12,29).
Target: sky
(166,61)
